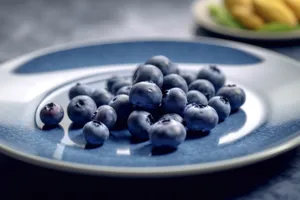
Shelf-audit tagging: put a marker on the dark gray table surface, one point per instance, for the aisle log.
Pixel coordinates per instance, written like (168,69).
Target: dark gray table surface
(28,25)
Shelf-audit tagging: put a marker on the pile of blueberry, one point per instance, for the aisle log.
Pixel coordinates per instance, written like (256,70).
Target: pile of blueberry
(160,104)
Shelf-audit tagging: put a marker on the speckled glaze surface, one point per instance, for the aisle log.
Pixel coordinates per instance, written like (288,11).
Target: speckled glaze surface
(267,124)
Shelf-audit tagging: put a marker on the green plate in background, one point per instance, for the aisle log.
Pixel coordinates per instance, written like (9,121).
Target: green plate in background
(218,20)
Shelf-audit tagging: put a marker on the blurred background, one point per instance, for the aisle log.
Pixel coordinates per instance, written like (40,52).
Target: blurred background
(27,25)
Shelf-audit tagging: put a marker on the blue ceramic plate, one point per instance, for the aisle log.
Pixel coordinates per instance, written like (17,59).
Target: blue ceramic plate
(268,123)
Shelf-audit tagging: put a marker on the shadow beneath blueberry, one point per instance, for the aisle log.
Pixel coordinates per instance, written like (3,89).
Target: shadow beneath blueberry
(158,151)
(89,146)
(51,127)
(74,126)
(196,134)
(235,111)
(119,127)
(149,150)
(135,140)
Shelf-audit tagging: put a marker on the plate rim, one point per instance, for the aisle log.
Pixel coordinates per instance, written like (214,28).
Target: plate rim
(164,171)
(205,21)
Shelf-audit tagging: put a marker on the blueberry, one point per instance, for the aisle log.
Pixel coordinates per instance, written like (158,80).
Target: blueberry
(80,89)
(167,133)
(200,118)
(145,95)
(124,90)
(123,108)
(81,109)
(194,96)
(149,73)
(213,74)
(139,123)
(118,85)
(51,114)
(234,94)
(203,86)
(111,81)
(95,133)
(189,105)
(221,105)
(173,116)
(164,64)
(174,101)
(188,77)
(135,72)
(173,81)
(107,115)
(101,97)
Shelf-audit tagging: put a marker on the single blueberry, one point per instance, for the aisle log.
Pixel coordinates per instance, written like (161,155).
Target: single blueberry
(235,95)
(221,105)
(167,133)
(139,123)
(203,86)
(111,81)
(145,95)
(213,74)
(124,90)
(200,118)
(135,72)
(51,114)
(173,116)
(81,109)
(164,64)
(148,73)
(173,81)
(194,96)
(123,108)
(189,105)
(119,84)
(173,101)
(107,115)
(101,97)
(95,133)
(188,77)
(80,89)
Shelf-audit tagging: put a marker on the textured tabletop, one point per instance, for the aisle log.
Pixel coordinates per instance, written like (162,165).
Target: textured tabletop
(28,25)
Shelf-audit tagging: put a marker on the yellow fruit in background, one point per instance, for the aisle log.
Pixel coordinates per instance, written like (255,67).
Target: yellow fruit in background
(247,18)
(295,6)
(275,11)
(233,3)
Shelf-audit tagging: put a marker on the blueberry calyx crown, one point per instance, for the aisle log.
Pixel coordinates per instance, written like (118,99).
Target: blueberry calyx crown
(150,119)
(79,103)
(165,120)
(49,106)
(96,123)
(165,93)
(115,98)
(214,68)
(224,100)
(198,105)
(231,85)
(94,115)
